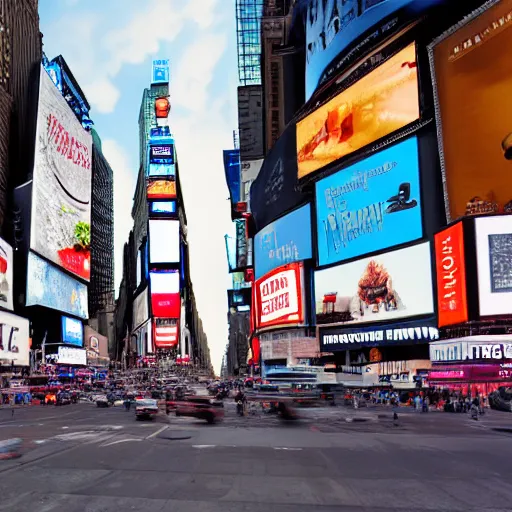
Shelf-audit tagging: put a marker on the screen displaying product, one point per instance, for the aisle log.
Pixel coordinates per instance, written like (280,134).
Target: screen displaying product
(161,170)
(164,241)
(61,194)
(494,263)
(165,294)
(161,154)
(370,206)
(140,309)
(162,206)
(383,101)
(160,71)
(72,331)
(72,356)
(48,286)
(6,282)
(161,189)
(14,339)
(393,285)
(476,162)
(285,240)
(452,302)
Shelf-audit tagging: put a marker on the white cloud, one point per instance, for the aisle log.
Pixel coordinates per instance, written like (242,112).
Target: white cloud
(103,94)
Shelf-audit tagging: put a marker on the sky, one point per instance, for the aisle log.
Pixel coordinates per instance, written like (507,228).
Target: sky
(109,46)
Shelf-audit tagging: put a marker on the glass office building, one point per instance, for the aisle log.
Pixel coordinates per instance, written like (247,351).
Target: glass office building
(248,32)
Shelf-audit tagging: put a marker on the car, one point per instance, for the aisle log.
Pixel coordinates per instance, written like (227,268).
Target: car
(146,408)
(101,401)
(63,399)
(201,407)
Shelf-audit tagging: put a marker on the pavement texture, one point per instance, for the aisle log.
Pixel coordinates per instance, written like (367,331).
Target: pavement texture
(81,458)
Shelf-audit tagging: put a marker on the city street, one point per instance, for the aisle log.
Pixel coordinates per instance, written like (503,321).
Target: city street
(80,457)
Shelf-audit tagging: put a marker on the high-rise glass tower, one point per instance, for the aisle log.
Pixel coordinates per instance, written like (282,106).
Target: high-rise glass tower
(248,29)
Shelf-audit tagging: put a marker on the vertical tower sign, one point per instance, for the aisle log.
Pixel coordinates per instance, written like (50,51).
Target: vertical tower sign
(160,71)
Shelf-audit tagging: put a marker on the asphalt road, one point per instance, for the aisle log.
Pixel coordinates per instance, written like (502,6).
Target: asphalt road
(80,458)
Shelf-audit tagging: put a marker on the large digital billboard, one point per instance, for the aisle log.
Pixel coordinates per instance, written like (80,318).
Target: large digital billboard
(61,194)
(279,297)
(160,71)
(452,302)
(387,287)
(232,171)
(161,170)
(383,101)
(164,241)
(494,263)
(333,25)
(14,339)
(6,276)
(72,331)
(72,356)
(285,240)
(166,332)
(161,189)
(475,162)
(165,294)
(370,206)
(48,286)
(162,206)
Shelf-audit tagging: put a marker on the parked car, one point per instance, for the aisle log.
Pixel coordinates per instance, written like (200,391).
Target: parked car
(146,408)
(63,399)
(101,401)
(201,407)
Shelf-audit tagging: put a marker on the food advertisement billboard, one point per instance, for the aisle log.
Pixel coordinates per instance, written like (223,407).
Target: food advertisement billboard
(165,294)
(61,194)
(494,264)
(383,101)
(285,240)
(164,241)
(452,301)
(370,206)
(72,331)
(476,142)
(6,276)
(278,297)
(48,286)
(387,287)
(140,309)
(14,339)
(161,189)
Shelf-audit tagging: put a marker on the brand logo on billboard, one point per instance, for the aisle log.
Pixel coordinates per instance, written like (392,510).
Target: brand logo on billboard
(468,350)
(161,151)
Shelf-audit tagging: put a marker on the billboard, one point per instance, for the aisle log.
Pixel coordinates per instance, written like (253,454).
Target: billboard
(472,348)
(452,302)
(494,264)
(48,286)
(14,339)
(165,294)
(393,285)
(278,297)
(161,170)
(72,356)
(166,332)
(140,309)
(162,206)
(232,171)
(241,244)
(161,154)
(61,194)
(72,331)
(383,101)
(475,164)
(160,71)
(161,189)
(285,240)
(370,206)
(6,276)
(249,172)
(164,241)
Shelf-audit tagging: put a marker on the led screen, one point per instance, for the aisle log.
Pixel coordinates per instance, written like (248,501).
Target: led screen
(164,241)
(165,294)
(232,171)
(72,356)
(389,286)
(160,71)
(61,195)
(72,331)
(161,154)
(48,286)
(371,205)
(6,276)
(494,262)
(161,170)
(14,339)
(285,240)
(384,100)
(161,189)
(476,142)
(163,207)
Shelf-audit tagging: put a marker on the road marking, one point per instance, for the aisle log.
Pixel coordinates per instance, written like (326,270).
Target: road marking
(64,428)
(157,432)
(121,441)
(40,441)
(200,446)
(286,448)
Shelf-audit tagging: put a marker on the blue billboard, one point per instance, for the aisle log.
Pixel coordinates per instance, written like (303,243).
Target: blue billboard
(371,205)
(160,71)
(162,207)
(333,25)
(72,331)
(285,240)
(232,170)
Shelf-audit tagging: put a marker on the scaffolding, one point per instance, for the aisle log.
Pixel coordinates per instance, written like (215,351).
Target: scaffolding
(248,34)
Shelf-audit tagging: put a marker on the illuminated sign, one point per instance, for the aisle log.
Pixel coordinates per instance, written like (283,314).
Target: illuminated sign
(72,331)
(72,356)
(160,71)
(161,189)
(162,206)
(164,241)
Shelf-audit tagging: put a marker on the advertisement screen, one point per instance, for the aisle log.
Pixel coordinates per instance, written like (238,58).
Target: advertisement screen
(161,170)
(397,284)
(232,171)
(241,244)
(452,302)
(165,294)
(164,241)
(160,71)
(14,339)
(140,309)
(160,135)
(278,297)
(161,189)
(383,101)
(285,240)
(166,332)
(494,262)
(6,282)
(48,286)
(61,195)
(476,164)
(72,331)
(72,356)
(161,154)
(162,207)
(370,206)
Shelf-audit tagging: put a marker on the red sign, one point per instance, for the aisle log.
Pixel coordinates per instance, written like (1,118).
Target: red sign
(166,305)
(278,297)
(451,276)
(166,335)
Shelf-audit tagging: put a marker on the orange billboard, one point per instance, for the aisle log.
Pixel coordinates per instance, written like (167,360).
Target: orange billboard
(383,101)
(472,71)
(161,189)
(452,303)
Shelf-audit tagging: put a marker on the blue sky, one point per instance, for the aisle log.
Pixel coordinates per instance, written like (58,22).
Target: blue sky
(109,46)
